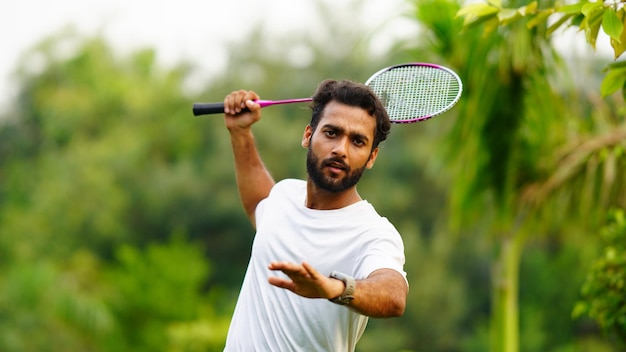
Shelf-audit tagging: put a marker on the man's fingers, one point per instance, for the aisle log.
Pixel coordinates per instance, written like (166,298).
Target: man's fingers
(238,100)
(304,269)
(302,279)
(310,270)
(285,267)
(251,105)
(282,283)
(296,272)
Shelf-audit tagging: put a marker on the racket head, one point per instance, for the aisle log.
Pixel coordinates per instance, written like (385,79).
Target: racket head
(417,91)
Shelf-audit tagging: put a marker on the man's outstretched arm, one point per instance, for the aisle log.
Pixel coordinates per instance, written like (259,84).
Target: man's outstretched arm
(381,295)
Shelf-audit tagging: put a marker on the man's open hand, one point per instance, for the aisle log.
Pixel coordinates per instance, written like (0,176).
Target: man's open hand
(306,281)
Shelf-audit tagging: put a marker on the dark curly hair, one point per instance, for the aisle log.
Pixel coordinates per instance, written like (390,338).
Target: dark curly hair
(352,94)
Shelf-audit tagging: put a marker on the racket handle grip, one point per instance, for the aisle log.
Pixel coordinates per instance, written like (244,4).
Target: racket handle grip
(208,108)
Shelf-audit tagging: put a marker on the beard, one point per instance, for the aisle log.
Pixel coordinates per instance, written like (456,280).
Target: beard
(331,184)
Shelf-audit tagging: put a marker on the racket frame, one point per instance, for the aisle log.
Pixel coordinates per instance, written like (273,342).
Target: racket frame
(455,78)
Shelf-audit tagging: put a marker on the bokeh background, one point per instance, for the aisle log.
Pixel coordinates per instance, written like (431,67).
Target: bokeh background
(120,223)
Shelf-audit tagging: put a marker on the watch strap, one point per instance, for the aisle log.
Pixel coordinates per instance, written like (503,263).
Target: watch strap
(348,293)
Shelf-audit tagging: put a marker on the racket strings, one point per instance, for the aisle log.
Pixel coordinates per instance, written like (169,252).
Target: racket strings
(411,92)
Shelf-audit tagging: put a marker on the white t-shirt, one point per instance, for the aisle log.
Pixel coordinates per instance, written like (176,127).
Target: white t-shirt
(354,240)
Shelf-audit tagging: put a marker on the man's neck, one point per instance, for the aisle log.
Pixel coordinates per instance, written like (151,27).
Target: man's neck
(320,199)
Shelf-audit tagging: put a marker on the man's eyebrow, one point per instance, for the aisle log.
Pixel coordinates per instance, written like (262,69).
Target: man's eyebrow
(333,127)
(342,131)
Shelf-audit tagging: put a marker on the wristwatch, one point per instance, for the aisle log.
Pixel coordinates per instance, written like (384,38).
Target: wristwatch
(347,296)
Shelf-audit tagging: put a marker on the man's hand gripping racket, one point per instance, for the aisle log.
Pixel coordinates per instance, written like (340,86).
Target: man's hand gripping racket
(410,92)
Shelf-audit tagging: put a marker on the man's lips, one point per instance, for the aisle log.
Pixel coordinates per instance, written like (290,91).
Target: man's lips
(336,166)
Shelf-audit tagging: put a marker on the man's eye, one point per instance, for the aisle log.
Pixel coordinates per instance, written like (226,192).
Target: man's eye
(330,133)
(358,142)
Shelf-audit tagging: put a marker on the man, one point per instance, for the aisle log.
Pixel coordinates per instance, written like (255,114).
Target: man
(323,260)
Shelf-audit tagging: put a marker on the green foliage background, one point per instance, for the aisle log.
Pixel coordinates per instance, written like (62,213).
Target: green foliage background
(121,228)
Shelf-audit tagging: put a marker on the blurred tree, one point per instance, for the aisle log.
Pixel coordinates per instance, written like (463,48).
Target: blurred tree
(46,306)
(99,160)
(590,17)
(159,289)
(604,291)
(511,178)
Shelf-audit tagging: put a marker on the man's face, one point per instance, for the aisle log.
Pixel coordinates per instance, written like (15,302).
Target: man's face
(340,149)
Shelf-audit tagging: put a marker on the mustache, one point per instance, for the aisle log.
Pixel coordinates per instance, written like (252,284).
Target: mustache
(335,162)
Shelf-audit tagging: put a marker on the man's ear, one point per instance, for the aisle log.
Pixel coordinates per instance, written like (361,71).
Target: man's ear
(372,159)
(306,137)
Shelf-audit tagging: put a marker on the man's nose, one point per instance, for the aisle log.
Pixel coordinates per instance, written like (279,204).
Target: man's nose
(340,148)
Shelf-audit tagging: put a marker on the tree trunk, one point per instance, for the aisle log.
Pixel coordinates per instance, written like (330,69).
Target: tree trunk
(505,312)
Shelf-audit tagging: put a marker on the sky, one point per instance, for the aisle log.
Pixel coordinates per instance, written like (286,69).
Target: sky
(182,30)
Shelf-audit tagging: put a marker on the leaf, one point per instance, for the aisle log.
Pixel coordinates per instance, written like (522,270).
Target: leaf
(615,65)
(487,19)
(577,20)
(612,25)
(475,14)
(506,16)
(476,11)
(540,18)
(613,81)
(591,25)
(589,8)
(528,9)
(620,46)
(491,24)
(572,9)
(559,23)
(496,3)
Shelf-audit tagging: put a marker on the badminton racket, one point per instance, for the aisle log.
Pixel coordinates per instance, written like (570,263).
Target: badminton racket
(410,92)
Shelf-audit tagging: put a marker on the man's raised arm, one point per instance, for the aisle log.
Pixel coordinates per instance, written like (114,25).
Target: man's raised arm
(253,179)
